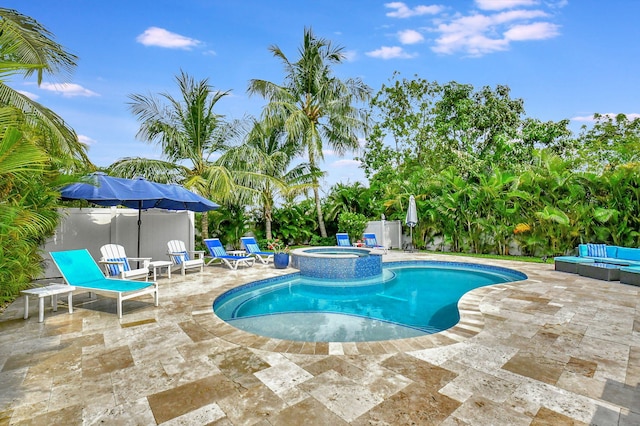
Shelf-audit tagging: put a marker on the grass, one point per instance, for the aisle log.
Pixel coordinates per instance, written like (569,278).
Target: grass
(530,259)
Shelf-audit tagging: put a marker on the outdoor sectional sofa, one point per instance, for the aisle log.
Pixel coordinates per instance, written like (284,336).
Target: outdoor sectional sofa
(627,258)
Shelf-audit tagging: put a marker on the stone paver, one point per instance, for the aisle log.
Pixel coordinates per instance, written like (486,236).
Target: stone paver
(554,349)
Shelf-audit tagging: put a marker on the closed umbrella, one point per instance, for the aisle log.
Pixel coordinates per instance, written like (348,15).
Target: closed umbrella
(137,193)
(412,218)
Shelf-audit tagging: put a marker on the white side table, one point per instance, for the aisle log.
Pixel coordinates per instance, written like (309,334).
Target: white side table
(51,290)
(236,252)
(157,266)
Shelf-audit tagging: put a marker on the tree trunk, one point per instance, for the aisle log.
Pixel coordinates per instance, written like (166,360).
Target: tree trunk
(267,222)
(204,224)
(323,230)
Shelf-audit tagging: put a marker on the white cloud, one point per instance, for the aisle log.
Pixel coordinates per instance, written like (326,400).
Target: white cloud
(68,90)
(29,95)
(410,37)
(154,36)
(479,34)
(536,31)
(390,52)
(589,118)
(504,4)
(86,140)
(404,11)
(346,163)
(350,55)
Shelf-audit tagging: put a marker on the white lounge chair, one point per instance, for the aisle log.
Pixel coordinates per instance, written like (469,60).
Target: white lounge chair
(80,270)
(181,257)
(217,251)
(117,264)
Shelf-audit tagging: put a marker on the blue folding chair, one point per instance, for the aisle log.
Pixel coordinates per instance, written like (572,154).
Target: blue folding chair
(343,239)
(217,251)
(370,241)
(253,249)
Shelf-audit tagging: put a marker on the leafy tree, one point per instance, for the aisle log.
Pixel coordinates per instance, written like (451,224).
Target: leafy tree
(610,142)
(315,107)
(35,144)
(28,48)
(262,166)
(189,132)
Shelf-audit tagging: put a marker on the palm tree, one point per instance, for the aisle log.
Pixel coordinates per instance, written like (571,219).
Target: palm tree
(27,48)
(189,132)
(261,166)
(315,106)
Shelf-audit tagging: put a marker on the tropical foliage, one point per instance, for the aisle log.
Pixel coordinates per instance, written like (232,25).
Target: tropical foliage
(313,106)
(35,146)
(486,177)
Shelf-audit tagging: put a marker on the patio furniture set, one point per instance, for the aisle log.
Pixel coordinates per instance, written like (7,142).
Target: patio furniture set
(119,277)
(603,262)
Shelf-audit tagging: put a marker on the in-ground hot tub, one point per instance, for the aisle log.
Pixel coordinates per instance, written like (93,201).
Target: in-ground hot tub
(344,263)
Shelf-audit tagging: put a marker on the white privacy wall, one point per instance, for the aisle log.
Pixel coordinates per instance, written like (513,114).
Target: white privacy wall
(388,232)
(91,228)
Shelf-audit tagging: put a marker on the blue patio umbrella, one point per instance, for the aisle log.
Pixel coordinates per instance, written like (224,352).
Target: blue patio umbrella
(412,217)
(137,193)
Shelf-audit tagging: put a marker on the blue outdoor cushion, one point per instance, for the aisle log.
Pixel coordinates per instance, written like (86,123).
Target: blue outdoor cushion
(628,253)
(582,250)
(184,256)
(253,248)
(597,250)
(219,251)
(115,269)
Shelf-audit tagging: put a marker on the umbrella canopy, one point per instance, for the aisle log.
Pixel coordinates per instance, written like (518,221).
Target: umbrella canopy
(137,193)
(412,214)
(412,218)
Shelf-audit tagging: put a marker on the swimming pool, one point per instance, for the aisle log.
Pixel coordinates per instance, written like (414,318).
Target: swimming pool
(409,299)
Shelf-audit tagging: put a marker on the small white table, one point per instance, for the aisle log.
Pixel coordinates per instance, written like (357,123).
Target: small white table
(236,252)
(157,266)
(51,290)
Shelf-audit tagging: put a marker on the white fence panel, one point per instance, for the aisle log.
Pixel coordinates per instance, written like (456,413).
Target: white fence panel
(388,232)
(91,228)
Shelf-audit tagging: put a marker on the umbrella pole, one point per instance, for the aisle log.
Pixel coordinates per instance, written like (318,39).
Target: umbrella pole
(411,237)
(139,225)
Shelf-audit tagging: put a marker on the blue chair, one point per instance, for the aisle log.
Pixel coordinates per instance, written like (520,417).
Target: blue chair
(80,270)
(370,241)
(253,249)
(343,239)
(217,251)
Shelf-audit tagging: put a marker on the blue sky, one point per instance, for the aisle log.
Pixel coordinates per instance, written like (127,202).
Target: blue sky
(565,58)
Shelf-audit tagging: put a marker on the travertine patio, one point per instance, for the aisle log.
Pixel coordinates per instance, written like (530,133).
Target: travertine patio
(554,349)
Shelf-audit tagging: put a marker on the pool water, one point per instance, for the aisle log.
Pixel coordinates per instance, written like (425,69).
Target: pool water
(409,299)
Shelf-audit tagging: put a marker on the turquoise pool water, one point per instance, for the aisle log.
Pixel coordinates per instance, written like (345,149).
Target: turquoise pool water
(409,299)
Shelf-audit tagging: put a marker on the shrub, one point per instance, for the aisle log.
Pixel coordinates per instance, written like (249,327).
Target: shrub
(353,224)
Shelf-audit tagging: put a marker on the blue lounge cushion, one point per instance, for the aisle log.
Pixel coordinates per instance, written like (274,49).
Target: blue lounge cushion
(179,259)
(597,250)
(627,253)
(114,269)
(582,250)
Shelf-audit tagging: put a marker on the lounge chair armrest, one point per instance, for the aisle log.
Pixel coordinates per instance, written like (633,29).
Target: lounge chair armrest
(145,260)
(111,262)
(198,254)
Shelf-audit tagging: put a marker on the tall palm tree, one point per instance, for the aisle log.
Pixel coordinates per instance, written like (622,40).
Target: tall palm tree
(314,106)
(189,133)
(262,166)
(28,48)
